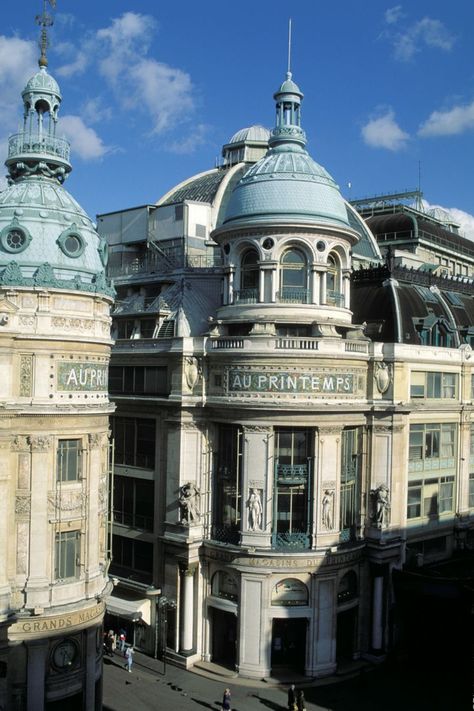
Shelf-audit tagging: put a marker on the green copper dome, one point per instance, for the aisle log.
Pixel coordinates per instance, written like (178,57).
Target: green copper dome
(46,238)
(287,184)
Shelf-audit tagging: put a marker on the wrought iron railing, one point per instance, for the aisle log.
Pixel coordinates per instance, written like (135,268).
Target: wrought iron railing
(24,142)
(289,295)
(246,296)
(225,534)
(334,298)
(145,523)
(292,473)
(296,540)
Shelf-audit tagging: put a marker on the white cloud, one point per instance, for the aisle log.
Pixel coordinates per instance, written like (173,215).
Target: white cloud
(384,132)
(18,62)
(393,14)
(84,140)
(450,122)
(424,33)
(460,217)
(189,143)
(94,111)
(138,81)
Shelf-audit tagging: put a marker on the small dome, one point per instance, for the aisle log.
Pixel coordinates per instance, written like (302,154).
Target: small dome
(287,184)
(42,83)
(251,133)
(289,87)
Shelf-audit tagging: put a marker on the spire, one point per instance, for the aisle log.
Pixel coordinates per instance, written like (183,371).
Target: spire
(45,21)
(288,109)
(36,150)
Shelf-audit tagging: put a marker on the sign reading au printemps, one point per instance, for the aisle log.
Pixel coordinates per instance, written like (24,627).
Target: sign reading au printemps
(74,376)
(290,382)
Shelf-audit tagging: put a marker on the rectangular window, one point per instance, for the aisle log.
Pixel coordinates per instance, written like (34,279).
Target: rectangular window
(125,327)
(291,488)
(134,502)
(68,467)
(132,558)
(138,380)
(227,509)
(351,463)
(433,385)
(134,439)
(67,555)
(432,447)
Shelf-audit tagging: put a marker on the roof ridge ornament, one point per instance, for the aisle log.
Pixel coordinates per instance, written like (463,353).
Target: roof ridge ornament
(44,21)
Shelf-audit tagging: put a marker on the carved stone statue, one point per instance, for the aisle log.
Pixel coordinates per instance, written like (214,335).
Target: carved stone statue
(255,511)
(327,505)
(383,376)
(189,502)
(381,505)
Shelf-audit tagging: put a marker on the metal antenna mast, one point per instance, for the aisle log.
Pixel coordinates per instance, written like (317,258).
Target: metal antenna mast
(289,46)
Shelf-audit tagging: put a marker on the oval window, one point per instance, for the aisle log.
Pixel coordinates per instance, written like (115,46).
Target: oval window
(14,239)
(72,243)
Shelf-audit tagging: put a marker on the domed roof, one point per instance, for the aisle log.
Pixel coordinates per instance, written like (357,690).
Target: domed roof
(42,83)
(287,184)
(251,133)
(41,224)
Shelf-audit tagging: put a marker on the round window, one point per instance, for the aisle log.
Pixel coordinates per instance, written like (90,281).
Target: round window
(16,240)
(268,243)
(72,244)
(321,246)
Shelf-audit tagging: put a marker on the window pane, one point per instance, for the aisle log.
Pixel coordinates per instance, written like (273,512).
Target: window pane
(68,459)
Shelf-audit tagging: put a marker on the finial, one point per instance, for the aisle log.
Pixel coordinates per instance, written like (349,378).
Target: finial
(44,21)
(288,73)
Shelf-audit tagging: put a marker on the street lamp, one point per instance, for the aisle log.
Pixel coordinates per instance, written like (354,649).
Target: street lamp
(161,625)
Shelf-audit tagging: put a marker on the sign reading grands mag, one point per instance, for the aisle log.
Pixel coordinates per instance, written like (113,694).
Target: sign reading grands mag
(73,376)
(294,382)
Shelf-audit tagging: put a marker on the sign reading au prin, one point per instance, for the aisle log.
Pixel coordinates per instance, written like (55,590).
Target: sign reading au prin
(74,376)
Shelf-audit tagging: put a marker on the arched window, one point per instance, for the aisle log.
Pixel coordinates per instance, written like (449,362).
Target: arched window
(293,279)
(249,277)
(334,295)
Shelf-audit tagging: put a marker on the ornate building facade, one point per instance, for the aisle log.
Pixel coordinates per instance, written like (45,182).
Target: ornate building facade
(293,429)
(54,422)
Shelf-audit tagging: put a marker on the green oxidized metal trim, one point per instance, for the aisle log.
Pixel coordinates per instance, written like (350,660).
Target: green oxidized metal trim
(45,277)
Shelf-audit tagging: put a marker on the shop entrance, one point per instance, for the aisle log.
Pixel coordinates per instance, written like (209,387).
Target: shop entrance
(223,638)
(289,643)
(346,635)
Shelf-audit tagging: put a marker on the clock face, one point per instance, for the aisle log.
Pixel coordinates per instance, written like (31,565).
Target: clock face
(65,654)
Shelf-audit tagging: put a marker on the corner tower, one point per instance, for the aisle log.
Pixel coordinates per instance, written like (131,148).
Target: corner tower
(54,409)
(286,236)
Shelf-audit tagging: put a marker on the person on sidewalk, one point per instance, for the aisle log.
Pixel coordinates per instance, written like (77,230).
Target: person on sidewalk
(226,700)
(122,639)
(300,700)
(129,658)
(292,698)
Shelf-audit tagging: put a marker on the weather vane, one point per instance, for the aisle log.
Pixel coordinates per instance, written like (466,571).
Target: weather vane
(44,21)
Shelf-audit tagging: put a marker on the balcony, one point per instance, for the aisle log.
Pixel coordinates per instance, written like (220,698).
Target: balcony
(294,541)
(289,295)
(21,143)
(291,473)
(246,296)
(334,298)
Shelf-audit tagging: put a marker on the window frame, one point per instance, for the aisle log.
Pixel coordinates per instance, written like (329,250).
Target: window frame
(63,458)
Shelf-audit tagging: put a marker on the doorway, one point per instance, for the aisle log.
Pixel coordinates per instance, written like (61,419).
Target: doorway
(346,635)
(289,643)
(223,638)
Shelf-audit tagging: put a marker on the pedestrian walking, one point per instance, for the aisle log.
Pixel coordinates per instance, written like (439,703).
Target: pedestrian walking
(129,657)
(292,698)
(226,700)
(122,639)
(300,700)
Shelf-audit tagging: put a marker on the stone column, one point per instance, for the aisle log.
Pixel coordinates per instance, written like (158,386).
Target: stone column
(254,649)
(327,494)
(91,651)
(377,613)
(39,549)
(186,641)
(346,288)
(5,512)
(37,652)
(322,285)
(315,278)
(230,291)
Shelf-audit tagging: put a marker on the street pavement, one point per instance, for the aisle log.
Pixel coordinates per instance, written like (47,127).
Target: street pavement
(154,686)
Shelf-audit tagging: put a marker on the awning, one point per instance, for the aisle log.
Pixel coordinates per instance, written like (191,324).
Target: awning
(129,609)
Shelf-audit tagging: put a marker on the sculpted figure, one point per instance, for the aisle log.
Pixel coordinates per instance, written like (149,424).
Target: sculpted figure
(255,511)
(189,502)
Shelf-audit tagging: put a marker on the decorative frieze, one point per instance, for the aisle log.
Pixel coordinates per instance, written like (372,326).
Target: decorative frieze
(26,375)
(20,443)
(72,324)
(40,443)
(71,502)
(23,504)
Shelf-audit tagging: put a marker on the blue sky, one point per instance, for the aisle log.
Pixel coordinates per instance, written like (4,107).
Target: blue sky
(152,90)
